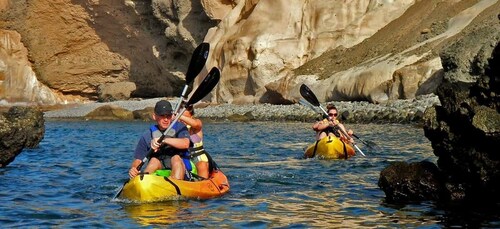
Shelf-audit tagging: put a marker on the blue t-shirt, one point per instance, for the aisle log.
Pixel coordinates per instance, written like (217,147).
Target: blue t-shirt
(144,144)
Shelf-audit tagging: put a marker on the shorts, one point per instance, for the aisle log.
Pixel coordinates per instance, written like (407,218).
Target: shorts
(166,161)
(203,157)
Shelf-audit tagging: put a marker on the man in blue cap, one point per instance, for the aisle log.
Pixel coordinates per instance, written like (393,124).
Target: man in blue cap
(170,152)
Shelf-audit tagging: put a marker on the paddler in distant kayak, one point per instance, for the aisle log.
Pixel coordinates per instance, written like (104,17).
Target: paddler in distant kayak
(331,125)
(172,153)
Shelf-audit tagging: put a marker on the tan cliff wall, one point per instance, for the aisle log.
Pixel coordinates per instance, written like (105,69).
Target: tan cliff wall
(78,47)
(356,50)
(372,50)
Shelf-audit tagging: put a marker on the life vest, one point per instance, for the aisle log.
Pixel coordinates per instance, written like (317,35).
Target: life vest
(197,148)
(170,151)
(331,129)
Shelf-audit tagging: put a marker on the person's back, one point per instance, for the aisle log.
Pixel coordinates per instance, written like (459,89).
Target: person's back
(198,154)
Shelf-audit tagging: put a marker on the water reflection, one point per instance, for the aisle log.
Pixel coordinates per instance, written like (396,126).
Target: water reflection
(161,213)
(70,179)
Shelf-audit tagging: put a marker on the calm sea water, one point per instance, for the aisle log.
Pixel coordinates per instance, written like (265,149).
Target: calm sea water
(70,179)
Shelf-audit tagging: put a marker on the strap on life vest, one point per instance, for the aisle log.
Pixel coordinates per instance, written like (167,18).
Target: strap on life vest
(197,151)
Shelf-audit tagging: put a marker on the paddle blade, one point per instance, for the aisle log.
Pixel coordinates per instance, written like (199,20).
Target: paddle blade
(205,86)
(308,95)
(198,60)
(307,104)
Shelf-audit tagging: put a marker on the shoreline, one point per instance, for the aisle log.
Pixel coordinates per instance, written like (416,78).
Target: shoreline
(397,111)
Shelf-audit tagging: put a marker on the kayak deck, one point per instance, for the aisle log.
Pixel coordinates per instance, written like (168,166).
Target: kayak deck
(329,147)
(151,187)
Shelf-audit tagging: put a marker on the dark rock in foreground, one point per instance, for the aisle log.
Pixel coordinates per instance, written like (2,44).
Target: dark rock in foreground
(464,130)
(20,127)
(403,182)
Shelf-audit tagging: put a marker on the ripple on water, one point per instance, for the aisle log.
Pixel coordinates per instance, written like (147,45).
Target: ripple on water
(70,179)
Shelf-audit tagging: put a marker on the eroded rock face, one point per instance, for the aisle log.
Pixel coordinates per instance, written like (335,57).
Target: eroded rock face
(20,127)
(18,81)
(354,50)
(465,129)
(76,46)
(342,51)
(260,42)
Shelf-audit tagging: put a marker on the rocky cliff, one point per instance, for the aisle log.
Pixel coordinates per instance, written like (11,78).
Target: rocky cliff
(373,50)
(464,130)
(20,127)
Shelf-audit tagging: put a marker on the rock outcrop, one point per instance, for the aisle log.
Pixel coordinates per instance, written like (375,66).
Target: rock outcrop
(75,47)
(465,129)
(353,50)
(18,81)
(20,127)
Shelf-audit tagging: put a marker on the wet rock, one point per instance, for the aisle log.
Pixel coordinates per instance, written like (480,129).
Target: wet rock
(403,182)
(144,114)
(20,127)
(110,112)
(464,129)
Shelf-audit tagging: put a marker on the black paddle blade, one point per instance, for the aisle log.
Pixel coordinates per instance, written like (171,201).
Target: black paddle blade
(198,60)
(205,86)
(308,95)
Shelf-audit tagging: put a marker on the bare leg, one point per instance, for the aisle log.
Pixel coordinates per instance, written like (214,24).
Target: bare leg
(202,167)
(178,168)
(321,135)
(153,165)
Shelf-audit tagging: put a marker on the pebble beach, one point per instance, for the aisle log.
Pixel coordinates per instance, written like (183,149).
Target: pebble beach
(397,111)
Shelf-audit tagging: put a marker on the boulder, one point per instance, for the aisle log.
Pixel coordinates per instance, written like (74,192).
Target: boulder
(406,182)
(144,114)
(20,127)
(115,91)
(110,112)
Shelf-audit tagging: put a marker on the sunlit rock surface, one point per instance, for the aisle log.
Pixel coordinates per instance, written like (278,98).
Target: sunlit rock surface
(20,127)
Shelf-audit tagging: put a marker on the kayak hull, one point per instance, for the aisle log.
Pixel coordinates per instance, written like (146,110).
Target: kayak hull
(329,147)
(152,188)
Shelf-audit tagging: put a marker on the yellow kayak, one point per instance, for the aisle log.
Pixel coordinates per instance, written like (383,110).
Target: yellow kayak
(329,147)
(152,187)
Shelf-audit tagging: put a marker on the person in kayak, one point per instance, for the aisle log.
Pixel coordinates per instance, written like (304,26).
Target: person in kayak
(171,153)
(198,154)
(332,126)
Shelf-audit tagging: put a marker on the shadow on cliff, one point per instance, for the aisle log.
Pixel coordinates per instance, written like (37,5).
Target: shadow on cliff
(135,34)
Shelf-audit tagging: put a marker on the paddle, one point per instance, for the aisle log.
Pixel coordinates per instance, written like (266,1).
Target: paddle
(198,60)
(369,144)
(307,104)
(312,99)
(203,89)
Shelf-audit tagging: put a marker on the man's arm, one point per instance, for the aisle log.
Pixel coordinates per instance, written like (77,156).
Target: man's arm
(178,143)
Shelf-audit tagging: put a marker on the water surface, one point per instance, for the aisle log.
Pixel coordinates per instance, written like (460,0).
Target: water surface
(70,179)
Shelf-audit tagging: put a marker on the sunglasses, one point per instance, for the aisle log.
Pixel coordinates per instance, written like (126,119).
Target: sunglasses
(334,115)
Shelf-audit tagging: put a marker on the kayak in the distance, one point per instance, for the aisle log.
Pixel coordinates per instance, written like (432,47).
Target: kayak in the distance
(329,147)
